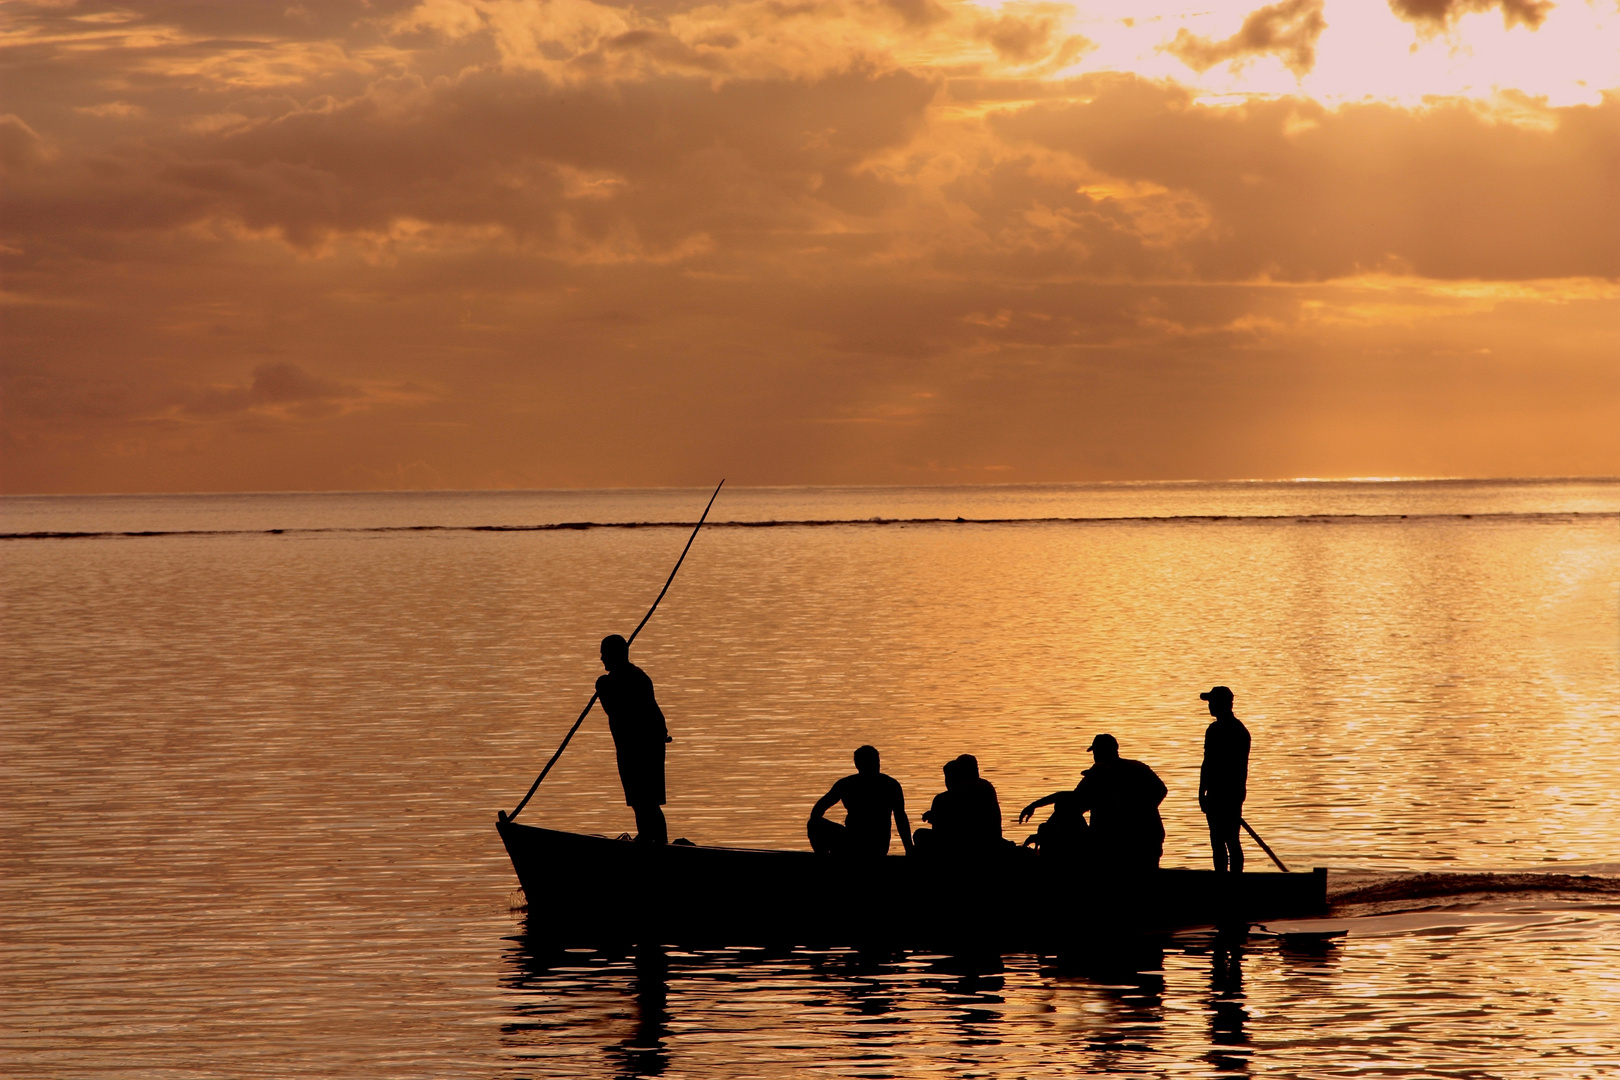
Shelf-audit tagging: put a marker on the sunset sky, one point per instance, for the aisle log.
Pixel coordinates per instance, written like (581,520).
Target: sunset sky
(340,244)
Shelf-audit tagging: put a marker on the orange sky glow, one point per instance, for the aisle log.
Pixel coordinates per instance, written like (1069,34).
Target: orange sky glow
(367,244)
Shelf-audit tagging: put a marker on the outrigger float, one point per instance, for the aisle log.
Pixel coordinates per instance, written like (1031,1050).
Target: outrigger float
(594,890)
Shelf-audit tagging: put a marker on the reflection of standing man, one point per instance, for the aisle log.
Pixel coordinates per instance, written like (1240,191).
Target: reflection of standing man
(639,735)
(1223,780)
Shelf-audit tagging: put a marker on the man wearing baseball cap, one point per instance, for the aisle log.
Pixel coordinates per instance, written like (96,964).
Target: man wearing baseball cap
(1223,780)
(1123,796)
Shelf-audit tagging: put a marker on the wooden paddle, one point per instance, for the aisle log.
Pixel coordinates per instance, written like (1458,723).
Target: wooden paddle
(1263,845)
(586,711)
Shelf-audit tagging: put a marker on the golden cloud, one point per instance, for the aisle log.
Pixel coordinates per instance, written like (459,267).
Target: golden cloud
(1288,30)
(835,240)
(1437,14)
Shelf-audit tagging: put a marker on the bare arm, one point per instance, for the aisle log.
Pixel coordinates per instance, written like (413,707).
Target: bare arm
(825,803)
(1029,811)
(903,823)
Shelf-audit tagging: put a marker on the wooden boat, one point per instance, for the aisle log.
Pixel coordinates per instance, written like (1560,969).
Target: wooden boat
(592,890)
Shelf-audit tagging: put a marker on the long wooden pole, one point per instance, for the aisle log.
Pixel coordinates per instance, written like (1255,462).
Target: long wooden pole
(587,710)
(1263,845)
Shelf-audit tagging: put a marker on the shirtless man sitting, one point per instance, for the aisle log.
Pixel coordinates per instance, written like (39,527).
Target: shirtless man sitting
(870,797)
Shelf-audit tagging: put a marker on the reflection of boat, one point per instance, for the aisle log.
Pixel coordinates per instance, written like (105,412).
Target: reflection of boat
(591,890)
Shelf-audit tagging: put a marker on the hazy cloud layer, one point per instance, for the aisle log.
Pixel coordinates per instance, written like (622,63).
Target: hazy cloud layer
(504,242)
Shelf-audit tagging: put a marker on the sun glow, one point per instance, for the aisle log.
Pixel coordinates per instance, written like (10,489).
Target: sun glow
(1358,51)
(304,247)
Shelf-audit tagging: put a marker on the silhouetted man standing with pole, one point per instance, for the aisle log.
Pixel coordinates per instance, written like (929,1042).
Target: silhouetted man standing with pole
(639,735)
(1223,780)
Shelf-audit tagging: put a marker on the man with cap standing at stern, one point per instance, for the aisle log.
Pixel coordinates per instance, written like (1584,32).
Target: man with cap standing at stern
(1223,779)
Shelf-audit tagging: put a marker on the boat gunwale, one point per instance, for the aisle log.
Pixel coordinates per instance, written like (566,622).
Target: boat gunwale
(891,858)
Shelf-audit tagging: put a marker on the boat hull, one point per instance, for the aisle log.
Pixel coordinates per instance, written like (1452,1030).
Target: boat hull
(591,890)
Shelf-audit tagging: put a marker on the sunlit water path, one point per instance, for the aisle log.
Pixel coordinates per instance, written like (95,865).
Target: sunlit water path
(250,777)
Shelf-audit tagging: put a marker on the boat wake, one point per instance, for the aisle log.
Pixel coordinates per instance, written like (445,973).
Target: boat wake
(1359,894)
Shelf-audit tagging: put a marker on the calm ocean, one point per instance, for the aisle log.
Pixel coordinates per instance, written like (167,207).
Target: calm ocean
(252,759)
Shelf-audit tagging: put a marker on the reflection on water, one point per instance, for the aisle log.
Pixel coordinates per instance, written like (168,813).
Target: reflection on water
(1196,1003)
(626,998)
(644,1054)
(1228,1014)
(249,781)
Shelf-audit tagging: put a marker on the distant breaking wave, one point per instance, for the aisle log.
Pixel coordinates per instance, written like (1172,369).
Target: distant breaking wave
(816,523)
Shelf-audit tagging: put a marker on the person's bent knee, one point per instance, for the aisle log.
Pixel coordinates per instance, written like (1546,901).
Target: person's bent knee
(825,836)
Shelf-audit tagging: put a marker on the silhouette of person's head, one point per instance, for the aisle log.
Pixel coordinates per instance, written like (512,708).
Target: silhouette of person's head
(953,774)
(1220,701)
(866,759)
(1104,748)
(968,767)
(615,652)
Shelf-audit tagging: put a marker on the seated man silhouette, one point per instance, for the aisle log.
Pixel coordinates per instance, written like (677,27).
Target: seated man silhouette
(1061,836)
(870,797)
(981,809)
(966,816)
(944,814)
(1123,797)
